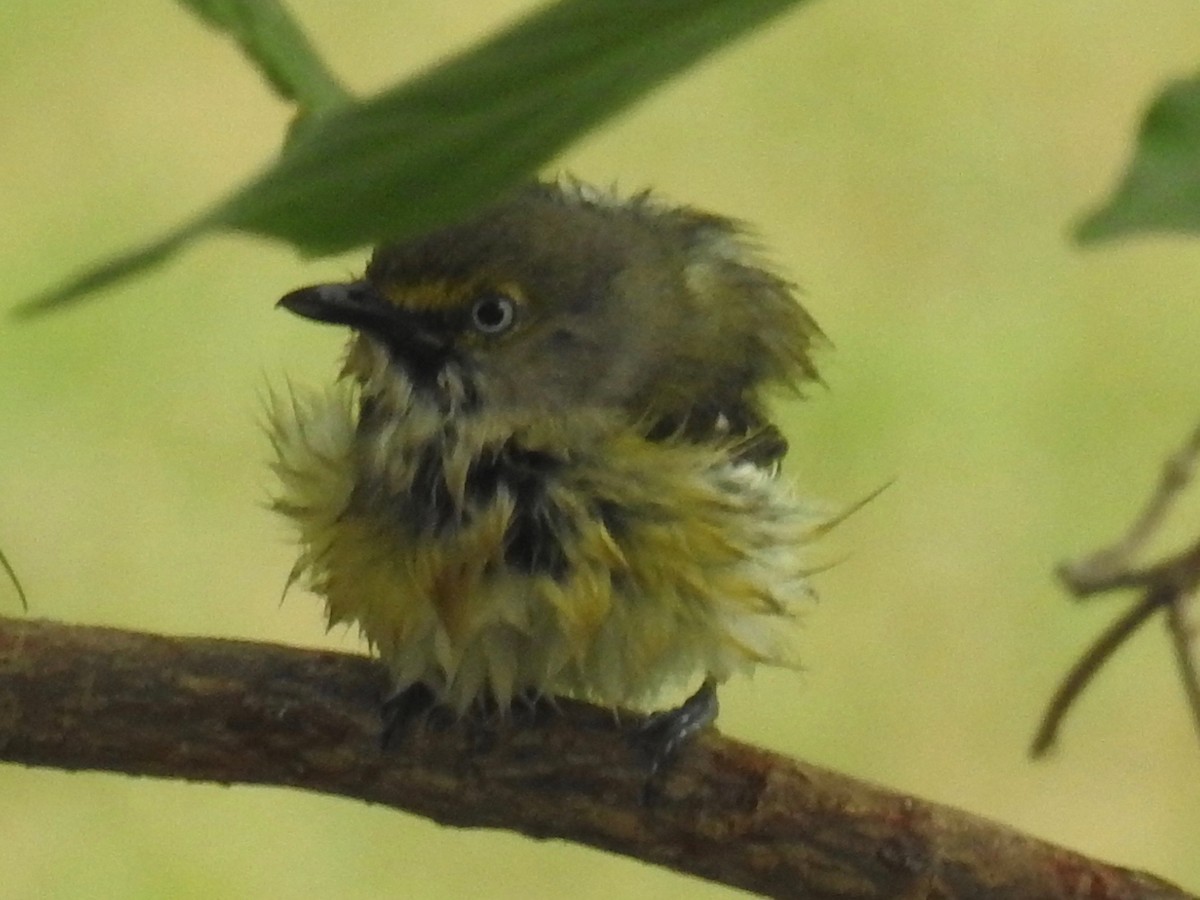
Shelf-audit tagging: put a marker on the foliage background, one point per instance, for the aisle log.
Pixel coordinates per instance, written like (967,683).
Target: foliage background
(914,165)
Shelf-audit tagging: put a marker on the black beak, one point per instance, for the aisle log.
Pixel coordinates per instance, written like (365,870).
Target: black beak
(355,304)
(358,305)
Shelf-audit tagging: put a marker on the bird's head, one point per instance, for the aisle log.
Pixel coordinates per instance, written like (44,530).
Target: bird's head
(560,297)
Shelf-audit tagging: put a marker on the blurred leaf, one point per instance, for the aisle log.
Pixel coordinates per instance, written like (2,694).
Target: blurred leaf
(114,270)
(455,137)
(273,41)
(1161,188)
(434,147)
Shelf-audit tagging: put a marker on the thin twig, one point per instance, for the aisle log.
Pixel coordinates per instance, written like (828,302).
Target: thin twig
(1170,585)
(12,575)
(1183,636)
(1112,567)
(1082,673)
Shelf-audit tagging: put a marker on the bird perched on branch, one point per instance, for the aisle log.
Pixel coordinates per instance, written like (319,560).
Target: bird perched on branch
(547,468)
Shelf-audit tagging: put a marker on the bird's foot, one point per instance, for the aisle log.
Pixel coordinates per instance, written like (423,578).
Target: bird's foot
(662,734)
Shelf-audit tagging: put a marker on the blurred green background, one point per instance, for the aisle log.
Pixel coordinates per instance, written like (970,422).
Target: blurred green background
(915,166)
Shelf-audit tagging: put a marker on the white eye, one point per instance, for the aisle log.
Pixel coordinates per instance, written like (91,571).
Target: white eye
(493,314)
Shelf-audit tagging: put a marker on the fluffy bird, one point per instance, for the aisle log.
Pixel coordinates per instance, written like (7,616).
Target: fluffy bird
(547,468)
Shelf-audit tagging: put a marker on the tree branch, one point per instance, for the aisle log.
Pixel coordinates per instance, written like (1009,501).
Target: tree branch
(229,711)
(1170,584)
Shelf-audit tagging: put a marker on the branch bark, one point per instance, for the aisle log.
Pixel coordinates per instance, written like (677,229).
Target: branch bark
(76,697)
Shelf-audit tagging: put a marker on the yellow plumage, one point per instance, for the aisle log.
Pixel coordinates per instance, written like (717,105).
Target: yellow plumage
(499,523)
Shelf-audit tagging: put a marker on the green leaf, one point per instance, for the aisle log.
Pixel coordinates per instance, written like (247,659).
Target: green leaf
(273,41)
(430,149)
(1160,191)
(451,139)
(113,271)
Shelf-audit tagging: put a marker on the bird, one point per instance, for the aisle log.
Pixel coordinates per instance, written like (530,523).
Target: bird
(547,466)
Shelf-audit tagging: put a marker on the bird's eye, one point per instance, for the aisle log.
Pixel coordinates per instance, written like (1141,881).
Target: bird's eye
(493,314)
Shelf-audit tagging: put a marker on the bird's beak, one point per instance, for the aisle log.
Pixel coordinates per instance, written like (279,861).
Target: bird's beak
(360,306)
(356,304)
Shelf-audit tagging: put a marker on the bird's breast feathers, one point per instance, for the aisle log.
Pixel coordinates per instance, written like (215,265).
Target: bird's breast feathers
(492,557)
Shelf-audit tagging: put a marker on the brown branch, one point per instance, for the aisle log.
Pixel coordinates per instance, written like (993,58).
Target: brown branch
(1082,673)
(1170,585)
(1183,641)
(228,711)
(1113,567)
